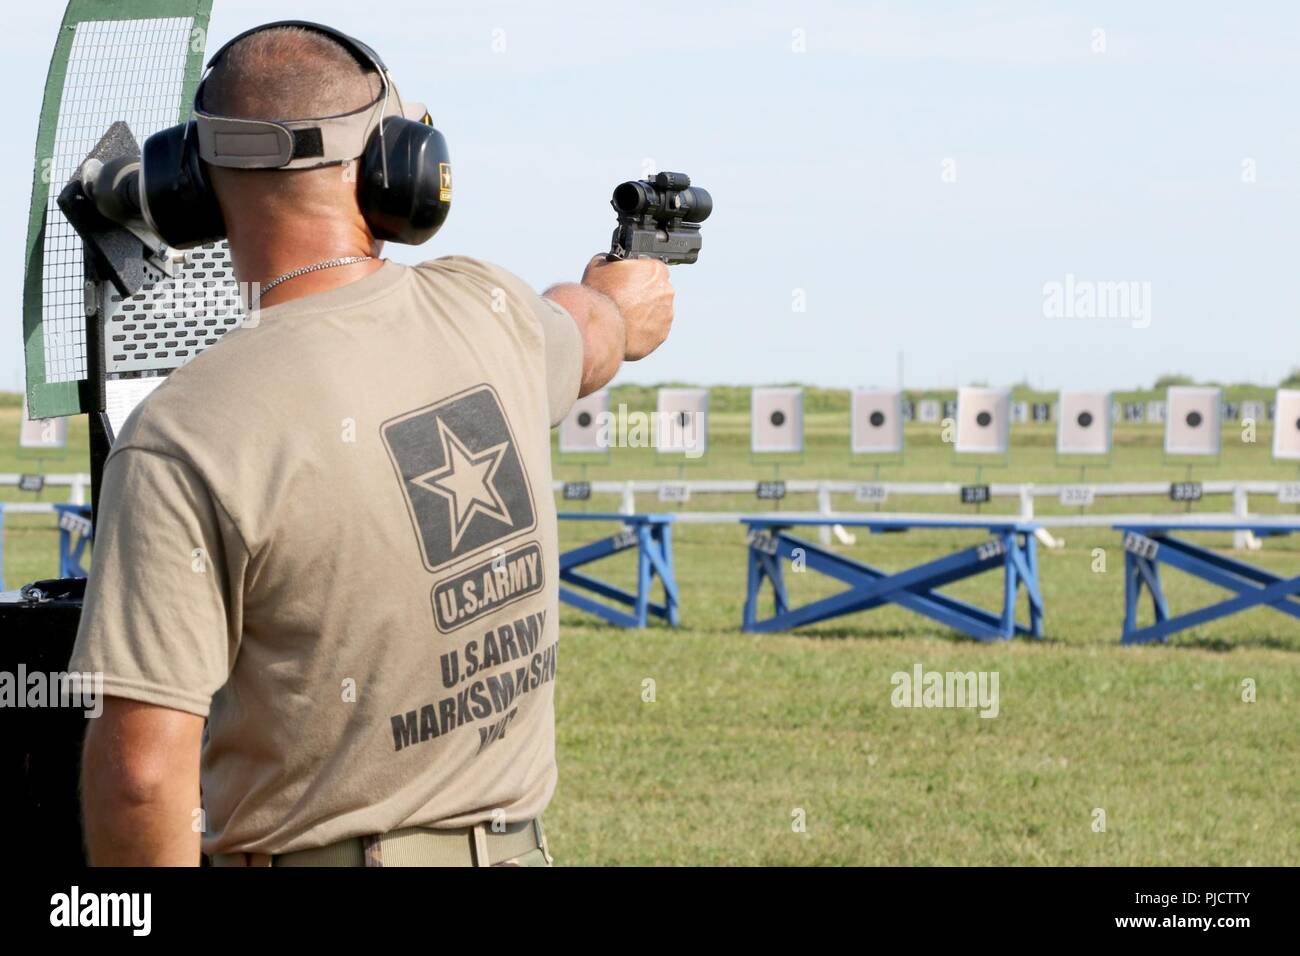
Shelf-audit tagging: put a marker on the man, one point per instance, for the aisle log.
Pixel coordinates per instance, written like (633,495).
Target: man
(333,535)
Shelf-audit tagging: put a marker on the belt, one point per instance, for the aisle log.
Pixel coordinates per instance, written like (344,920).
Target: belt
(479,845)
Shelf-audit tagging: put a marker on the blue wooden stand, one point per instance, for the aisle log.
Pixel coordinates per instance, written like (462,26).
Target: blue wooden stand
(651,535)
(75,534)
(1012,547)
(1149,543)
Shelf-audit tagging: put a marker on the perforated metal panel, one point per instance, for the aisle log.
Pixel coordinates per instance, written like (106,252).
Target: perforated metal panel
(166,324)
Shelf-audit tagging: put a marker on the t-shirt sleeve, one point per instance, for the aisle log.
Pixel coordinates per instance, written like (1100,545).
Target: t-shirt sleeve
(162,614)
(563,341)
(563,357)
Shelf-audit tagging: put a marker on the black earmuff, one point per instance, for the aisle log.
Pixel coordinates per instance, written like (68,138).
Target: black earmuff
(404,172)
(405,181)
(176,196)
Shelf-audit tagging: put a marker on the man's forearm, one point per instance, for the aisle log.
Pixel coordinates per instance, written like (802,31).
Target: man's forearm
(140,787)
(604,337)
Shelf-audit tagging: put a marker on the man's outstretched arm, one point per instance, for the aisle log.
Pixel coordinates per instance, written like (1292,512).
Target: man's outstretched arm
(140,785)
(623,311)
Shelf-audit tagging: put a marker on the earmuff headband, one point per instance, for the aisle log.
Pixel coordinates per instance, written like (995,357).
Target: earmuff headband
(292,144)
(300,143)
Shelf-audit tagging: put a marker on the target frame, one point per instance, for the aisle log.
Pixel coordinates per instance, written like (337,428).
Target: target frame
(1183,403)
(1285,418)
(889,401)
(570,430)
(665,397)
(792,398)
(980,395)
(1072,405)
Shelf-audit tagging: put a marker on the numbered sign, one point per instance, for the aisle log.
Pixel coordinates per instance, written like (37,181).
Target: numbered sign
(983,421)
(1084,426)
(577,490)
(872,493)
(976,494)
(1192,421)
(1141,545)
(1186,491)
(625,538)
(586,428)
(877,422)
(675,493)
(75,524)
(1078,496)
(763,542)
(776,420)
(1289,494)
(32,483)
(771,490)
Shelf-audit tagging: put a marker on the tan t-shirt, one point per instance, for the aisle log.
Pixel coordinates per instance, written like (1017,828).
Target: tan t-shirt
(333,535)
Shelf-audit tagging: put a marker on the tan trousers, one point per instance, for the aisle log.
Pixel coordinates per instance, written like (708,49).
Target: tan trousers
(517,844)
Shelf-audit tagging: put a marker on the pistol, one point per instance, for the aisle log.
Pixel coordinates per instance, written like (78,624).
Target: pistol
(659,217)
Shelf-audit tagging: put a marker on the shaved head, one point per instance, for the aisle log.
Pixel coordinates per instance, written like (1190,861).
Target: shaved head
(288,73)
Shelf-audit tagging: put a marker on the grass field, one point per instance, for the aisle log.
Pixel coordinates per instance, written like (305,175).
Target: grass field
(747,733)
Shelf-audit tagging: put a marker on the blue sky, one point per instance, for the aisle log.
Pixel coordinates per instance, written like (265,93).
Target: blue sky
(832,172)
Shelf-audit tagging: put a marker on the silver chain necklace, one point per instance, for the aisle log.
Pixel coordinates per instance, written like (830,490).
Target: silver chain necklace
(316,267)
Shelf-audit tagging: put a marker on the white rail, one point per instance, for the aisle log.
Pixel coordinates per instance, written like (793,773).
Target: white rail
(826,491)
(29,507)
(880,491)
(78,483)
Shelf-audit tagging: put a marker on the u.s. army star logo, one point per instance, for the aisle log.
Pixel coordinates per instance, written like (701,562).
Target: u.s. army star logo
(466,480)
(462,477)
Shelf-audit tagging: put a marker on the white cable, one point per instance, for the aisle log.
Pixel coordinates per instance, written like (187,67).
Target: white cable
(383,114)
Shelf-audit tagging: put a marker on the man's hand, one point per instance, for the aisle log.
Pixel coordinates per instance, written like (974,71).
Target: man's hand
(644,296)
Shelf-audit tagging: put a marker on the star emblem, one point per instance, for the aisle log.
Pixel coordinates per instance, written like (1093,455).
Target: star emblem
(466,480)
